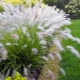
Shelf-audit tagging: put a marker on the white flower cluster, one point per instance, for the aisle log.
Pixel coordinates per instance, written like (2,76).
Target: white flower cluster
(48,20)
(45,16)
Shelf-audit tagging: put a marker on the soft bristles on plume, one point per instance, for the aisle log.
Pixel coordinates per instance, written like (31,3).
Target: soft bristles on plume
(45,58)
(74,51)
(52,76)
(58,44)
(32,15)
(25,71)
(67,34)
(58,56)
(62,71)
(4,54)
(70,47)
(51,56)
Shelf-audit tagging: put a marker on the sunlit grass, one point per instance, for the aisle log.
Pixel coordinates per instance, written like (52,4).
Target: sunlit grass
(70,63)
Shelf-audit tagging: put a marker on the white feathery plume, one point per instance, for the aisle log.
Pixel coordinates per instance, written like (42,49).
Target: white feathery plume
(70,47)
(44,47)
(1,45)
(49,31)
(68,35)
(34,50)
(58,44)
(41,35)
(62,71)
(40,28)
(25,71)
(4,54)
(8,72)
(28,35)
(43,42)
(76,53)
(62,36)
(56,26)
(12,29)
(47,24)
(66,22)
(8,44)
(15,36)
(58,56)
(37,12)
(50,35)
(51,56)
(51,74)
(45,58)
(2,76)
(24,30)
(68,29)
(77,40)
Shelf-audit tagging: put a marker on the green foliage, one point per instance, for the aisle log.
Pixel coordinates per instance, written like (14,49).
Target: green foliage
(1,9)
(73,8)
(25,2)
(17,76)
(70,63)
(51,2)
(19,46)
(59,3)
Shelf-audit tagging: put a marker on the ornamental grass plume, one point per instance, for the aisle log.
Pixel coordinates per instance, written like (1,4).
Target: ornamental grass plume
(45,58)
(15,36)
(67,34)
(74,51)
(26,33)
(58,56)
(62,71)
(34,50)
(50,55)
(4,54)
(52,76)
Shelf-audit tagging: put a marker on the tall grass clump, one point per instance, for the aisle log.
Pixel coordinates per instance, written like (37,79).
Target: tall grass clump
(26,35)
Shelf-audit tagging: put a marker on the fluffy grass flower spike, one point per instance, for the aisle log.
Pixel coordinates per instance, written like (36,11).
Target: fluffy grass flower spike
(27,34)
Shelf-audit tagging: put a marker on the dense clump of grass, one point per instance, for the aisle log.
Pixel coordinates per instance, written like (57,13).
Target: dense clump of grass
(70,63)
(23,49)
(26,35)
